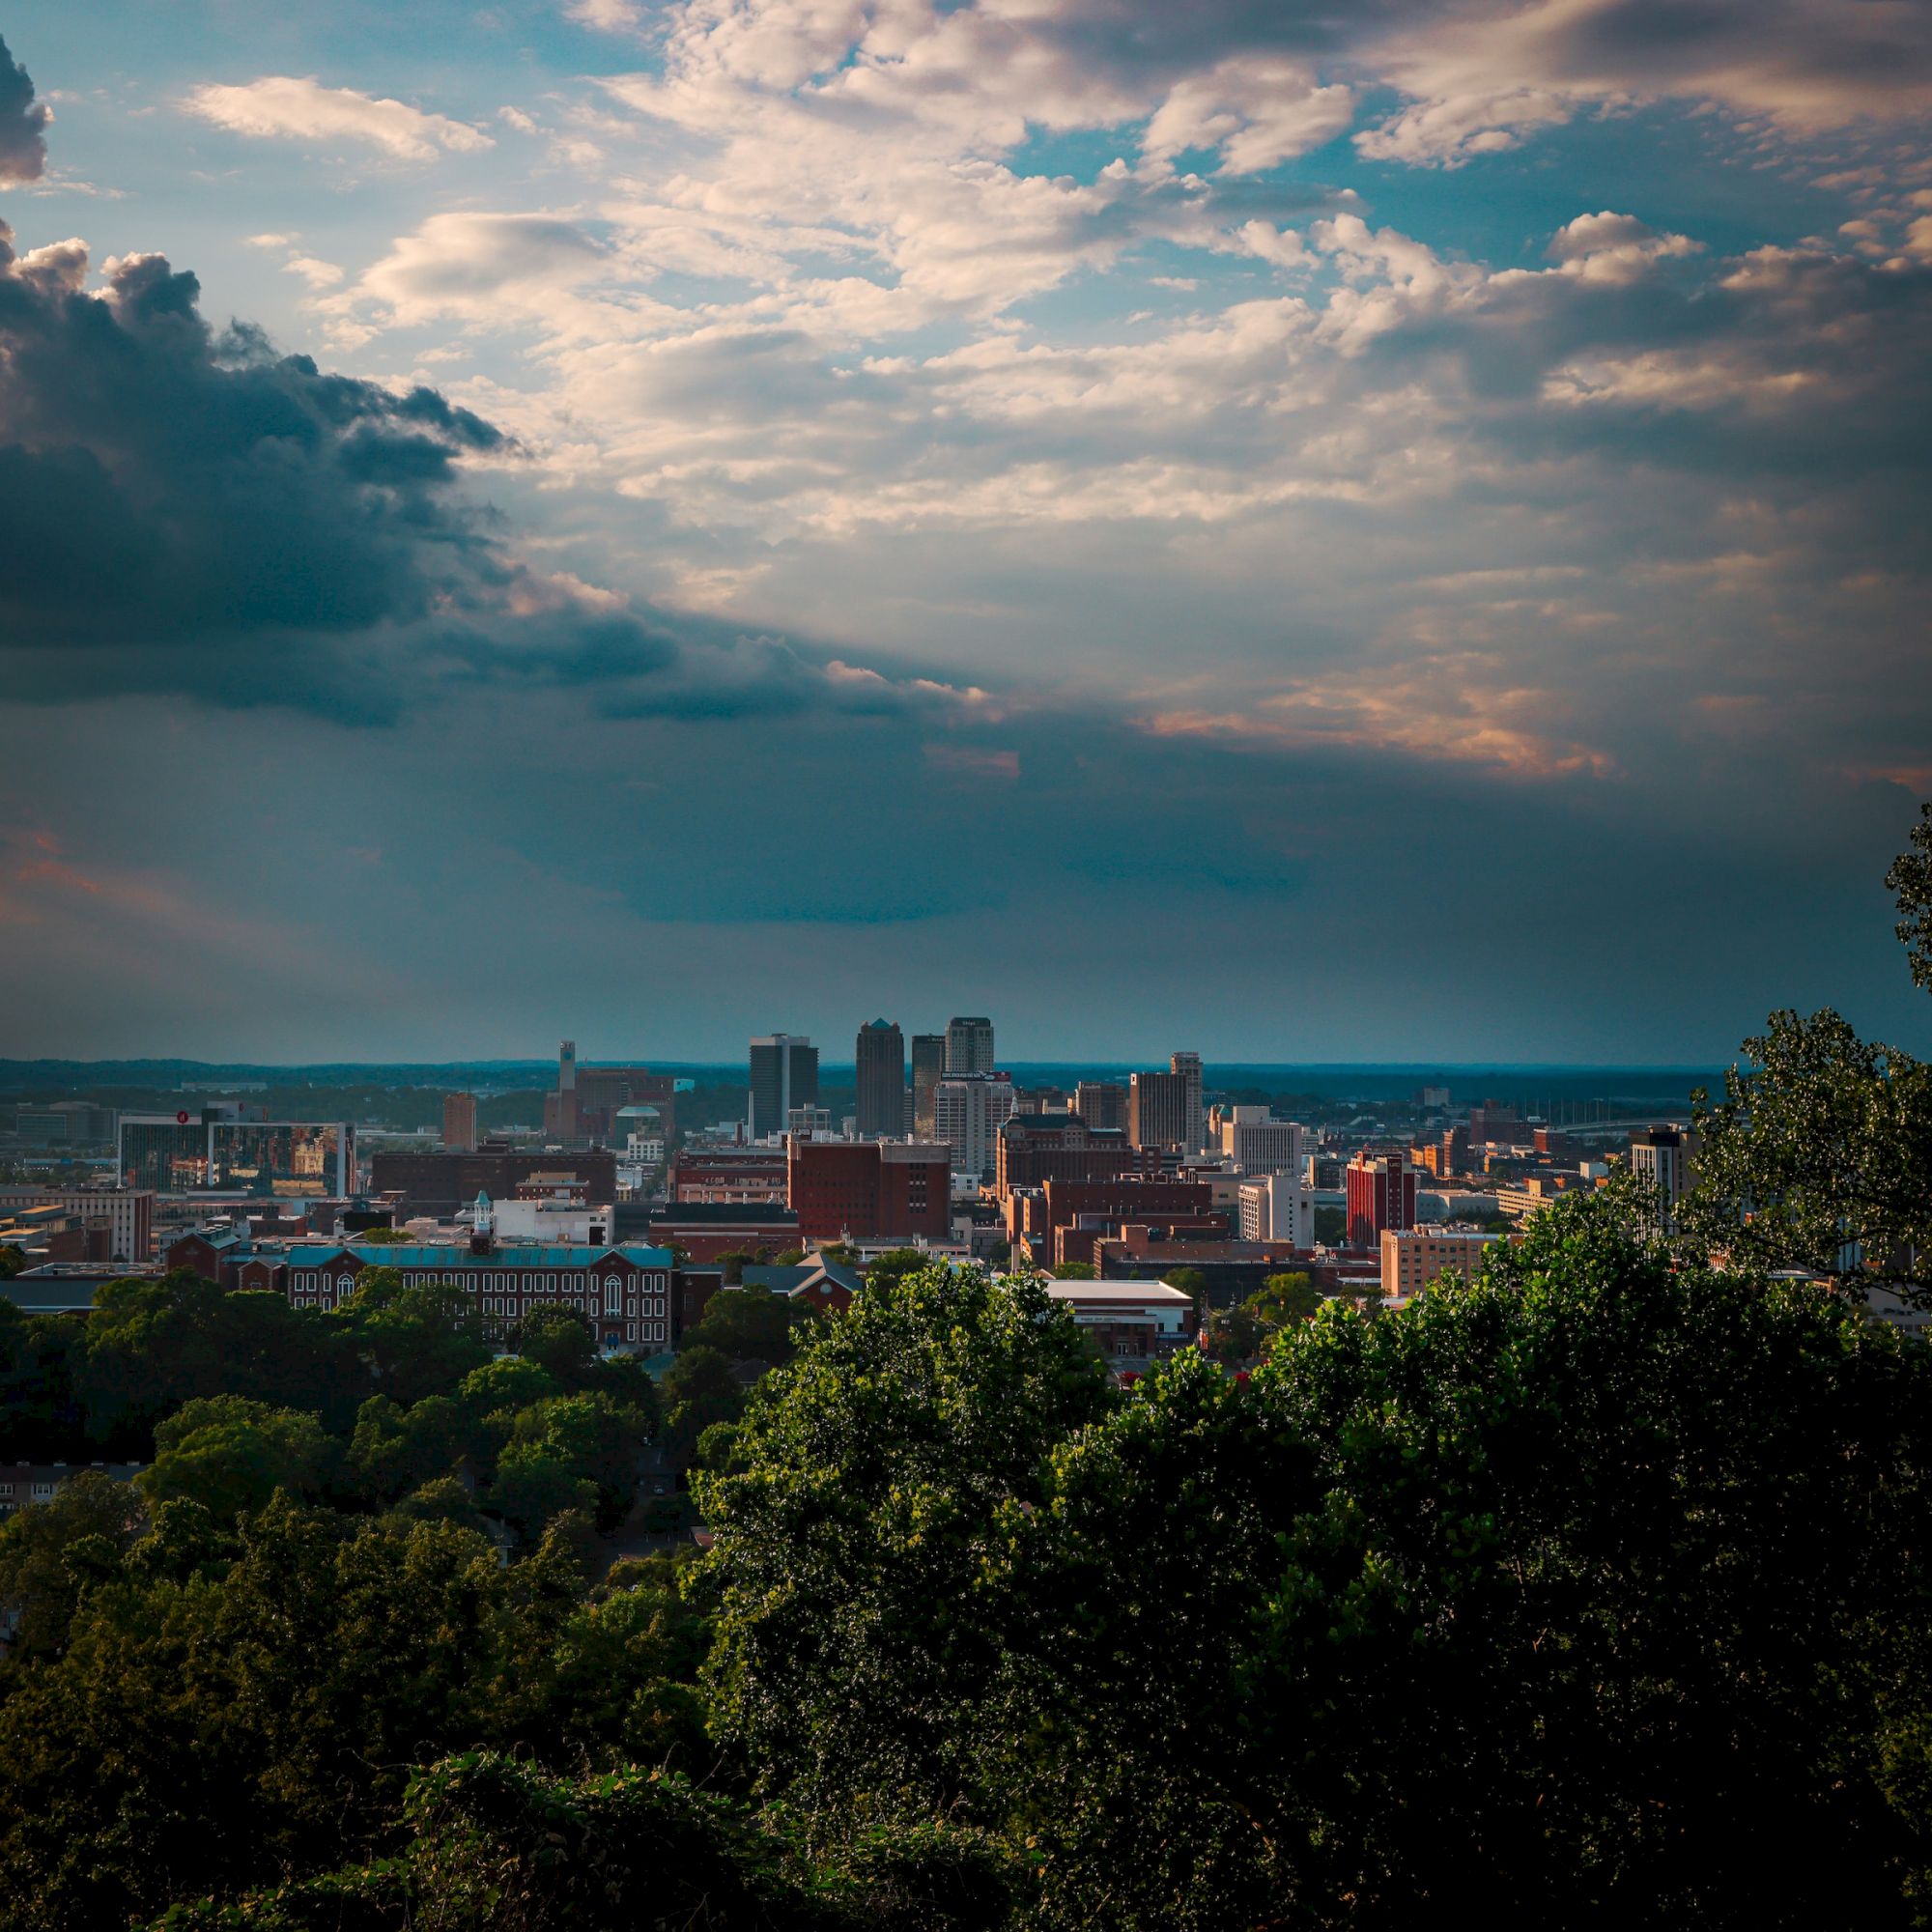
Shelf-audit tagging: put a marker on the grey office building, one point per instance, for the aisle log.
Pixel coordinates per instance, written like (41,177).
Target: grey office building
(880,1063)
(969,1047)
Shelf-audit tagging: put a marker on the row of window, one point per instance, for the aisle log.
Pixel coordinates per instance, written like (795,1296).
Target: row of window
(528,1280)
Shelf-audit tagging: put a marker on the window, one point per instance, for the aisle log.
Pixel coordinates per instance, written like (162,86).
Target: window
(614,1295)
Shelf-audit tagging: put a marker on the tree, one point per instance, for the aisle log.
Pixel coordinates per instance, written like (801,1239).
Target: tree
(394,1449)
(39,1582)
(11,1261)
(417,1340)
(559,1340)
(895,1265)
(231,1454)
(856,1641)
(1819,1156)
(700,1390)
(593,1438)
(1910,881)
(1581,1593)
(748,1324)
(1075,1272)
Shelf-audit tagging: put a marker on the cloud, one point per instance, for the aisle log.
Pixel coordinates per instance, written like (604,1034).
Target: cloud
(183,511)
(1255,112)
(23,124)
(303,109)
(193,504)
(607,16)
(1482,80)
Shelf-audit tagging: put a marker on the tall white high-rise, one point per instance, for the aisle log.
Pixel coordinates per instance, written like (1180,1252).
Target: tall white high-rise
(968,1113)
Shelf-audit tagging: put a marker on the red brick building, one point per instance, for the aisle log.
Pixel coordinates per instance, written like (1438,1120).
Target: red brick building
(1382,1194)
(869,1189)
(1035,1148)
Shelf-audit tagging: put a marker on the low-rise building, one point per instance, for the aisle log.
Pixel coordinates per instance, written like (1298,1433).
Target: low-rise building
(1413,1258)
(1132,1323)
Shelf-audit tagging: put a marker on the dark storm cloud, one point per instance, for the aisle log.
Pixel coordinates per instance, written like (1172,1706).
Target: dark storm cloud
(164,485)
(23,121)
(186,510)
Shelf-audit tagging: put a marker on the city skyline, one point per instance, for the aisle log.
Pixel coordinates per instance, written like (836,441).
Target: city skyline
(1384,538)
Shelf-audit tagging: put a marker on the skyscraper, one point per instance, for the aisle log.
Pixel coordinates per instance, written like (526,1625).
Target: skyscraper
(969,1047)
(1157,1110)
(928,1069)
(881,1069)
(784,1074)
(1189,1067)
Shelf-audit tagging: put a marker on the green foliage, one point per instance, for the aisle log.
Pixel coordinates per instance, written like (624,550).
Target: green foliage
(1910,881)
(749,1324)
(856,1644)
(1819,1156)
(232,1454)
(150,1346)
(894,1266)
(49,1554)
(1244,1332)
(230,1713)
(559,1340)
(11,1261)
(700,1390)
(1571,1596)
(1331,1226)
(394,1449)
(383,1238)
(416,1340)
(1075,1271)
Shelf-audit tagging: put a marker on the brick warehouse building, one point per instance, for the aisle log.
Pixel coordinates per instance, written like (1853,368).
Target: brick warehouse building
(870,1188)
(1035,1148)
(438,1184)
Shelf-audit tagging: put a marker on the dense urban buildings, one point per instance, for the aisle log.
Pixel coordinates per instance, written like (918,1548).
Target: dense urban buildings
(1414,1258)
(1102,1104)
(783,1075)
(217,1147)
(588,1100)
(1661,1160)
(1033,1148)
(124,1217)
(879,1064)
(1189,1067)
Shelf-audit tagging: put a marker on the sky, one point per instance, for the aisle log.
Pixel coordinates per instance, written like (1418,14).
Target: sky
(1302,532)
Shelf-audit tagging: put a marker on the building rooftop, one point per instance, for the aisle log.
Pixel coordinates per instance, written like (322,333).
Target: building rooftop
(1118,1290)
